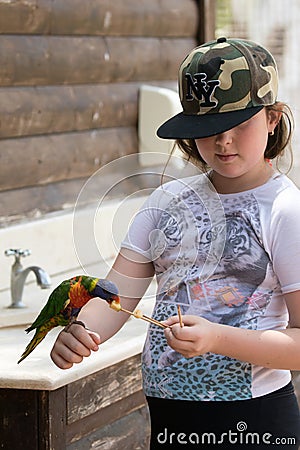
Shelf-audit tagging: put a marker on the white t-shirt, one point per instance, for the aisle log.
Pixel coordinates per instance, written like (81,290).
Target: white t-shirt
(229,258)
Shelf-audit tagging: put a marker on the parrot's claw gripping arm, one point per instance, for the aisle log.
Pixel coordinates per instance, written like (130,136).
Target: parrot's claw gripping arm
(77,322)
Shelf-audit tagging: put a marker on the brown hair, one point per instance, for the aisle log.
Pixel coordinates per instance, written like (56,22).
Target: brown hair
(276,145)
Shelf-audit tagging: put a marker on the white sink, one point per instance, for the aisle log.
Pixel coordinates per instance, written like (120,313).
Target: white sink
(52,245)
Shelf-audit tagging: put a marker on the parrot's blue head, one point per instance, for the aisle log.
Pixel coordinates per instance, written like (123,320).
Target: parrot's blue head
(106,290)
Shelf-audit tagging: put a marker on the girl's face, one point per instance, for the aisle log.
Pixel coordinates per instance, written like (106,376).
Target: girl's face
(236,157)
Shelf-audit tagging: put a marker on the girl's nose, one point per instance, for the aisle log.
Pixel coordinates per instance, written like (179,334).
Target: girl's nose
(224,138)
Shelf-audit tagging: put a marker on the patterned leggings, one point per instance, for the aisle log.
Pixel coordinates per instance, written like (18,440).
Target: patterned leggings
(271,421)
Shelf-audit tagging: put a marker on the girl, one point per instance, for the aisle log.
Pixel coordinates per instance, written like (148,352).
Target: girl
(225,246)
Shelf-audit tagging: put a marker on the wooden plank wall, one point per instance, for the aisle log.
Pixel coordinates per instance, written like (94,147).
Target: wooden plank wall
(70,72)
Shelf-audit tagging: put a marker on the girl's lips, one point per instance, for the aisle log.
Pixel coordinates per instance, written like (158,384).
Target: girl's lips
(226,158)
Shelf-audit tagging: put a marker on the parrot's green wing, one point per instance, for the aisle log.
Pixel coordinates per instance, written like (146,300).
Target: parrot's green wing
(56,303)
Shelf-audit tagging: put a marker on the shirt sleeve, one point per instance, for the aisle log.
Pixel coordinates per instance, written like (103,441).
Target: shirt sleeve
(145,222)
(285,239)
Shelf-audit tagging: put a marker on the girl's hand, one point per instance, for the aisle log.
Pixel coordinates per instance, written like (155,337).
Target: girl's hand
(196,337)
(72,346)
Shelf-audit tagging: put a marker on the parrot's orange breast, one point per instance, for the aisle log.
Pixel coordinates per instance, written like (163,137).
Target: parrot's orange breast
(78,295)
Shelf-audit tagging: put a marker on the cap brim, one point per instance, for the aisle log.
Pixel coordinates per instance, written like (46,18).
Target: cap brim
(186,126)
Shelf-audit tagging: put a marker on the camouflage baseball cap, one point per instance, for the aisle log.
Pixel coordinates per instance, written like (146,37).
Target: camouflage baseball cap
(221,84)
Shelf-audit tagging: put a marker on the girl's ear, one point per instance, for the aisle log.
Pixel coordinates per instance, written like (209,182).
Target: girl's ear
(273,116)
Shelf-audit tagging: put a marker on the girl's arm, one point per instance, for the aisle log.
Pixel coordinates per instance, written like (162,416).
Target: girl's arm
(132,274)
(278,349)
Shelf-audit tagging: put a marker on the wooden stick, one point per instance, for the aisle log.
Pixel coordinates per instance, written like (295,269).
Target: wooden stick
(155,322)
(137,315)
(180,316)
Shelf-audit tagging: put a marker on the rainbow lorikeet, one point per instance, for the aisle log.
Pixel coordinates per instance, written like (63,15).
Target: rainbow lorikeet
(65,303)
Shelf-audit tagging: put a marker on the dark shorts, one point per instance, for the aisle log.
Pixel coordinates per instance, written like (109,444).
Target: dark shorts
(271,421)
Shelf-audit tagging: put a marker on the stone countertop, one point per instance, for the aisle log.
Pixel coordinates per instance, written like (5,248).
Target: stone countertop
(38,372)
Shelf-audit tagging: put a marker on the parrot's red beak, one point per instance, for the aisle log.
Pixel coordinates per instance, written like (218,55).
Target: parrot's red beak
(114,302)
(114,298)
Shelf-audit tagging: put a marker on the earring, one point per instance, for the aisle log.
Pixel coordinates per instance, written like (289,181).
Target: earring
(271,133)
(269,161)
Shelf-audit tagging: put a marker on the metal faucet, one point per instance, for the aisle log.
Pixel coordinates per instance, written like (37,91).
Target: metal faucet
(19,274)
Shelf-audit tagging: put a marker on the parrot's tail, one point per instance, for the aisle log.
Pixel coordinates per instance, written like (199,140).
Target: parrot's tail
(37,338)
